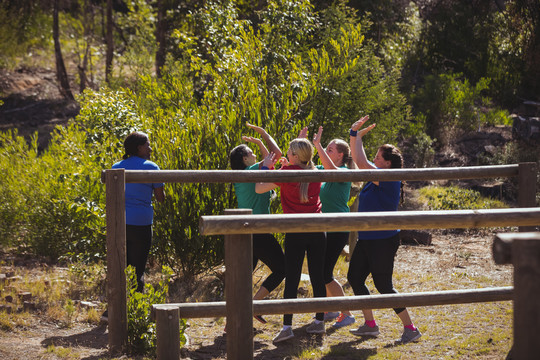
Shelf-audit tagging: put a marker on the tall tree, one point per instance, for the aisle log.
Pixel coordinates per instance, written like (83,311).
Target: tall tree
(161,36)
(61,73)
(109,41)
(87,22)
(526,20)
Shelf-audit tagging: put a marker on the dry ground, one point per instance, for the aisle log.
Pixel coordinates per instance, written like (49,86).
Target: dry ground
(453,261)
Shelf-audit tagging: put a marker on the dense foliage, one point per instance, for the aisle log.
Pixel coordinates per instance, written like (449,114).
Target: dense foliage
(282,65)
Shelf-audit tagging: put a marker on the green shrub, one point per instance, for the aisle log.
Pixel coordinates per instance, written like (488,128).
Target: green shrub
(275,76)
(455,198)
(141,329)
(422,151)
(449,103)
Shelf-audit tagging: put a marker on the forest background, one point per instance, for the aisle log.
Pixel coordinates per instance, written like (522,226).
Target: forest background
(191,73)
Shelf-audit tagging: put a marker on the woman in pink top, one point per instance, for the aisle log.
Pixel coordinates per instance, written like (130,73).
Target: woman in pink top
(299,198)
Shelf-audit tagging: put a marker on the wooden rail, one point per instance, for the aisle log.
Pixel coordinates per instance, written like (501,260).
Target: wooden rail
(115,181)
(313,305)
(391,220)
(228,176)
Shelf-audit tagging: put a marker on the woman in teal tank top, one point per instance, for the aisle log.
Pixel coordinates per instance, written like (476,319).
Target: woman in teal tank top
(334,197)
(265,246)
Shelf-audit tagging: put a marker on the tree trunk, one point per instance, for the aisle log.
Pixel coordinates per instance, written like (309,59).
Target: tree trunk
(109,41)
(61,73)
(82,70)
(87,29)
(161,30)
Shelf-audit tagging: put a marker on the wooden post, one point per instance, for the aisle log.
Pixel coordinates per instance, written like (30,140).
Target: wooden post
(523,251)
(526,260)
(116,259)
(168,332)
(239,292)
(527,189)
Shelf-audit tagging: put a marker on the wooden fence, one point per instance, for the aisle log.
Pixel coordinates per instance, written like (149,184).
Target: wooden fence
(238,228)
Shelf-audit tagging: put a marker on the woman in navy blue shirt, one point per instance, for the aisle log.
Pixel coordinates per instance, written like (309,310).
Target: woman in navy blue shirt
(375,251)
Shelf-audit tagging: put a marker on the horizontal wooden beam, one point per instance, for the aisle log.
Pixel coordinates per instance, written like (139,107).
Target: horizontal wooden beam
(354,221)
(502,245)
(298,306)
(230,176)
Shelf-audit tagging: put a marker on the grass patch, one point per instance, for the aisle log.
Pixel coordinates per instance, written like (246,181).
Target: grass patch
(455,198)
(62,352)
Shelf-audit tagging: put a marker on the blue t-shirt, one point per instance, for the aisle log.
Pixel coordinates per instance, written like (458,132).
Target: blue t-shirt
(384,197)
(139,210)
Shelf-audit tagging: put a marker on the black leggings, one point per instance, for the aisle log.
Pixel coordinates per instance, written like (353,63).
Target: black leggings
(375,257)
(335,242)
(138,242)
(296,246)
(267,249)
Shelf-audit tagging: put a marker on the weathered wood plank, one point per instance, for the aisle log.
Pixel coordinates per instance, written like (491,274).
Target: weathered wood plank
(311,305)
(238,291)
(168,332)
(116,260)
(228,176)
(527,189)
(388,220)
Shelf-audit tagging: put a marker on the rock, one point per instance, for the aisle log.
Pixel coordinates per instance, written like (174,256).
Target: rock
(415,237)
(12,279)
(89,305)
(9,299)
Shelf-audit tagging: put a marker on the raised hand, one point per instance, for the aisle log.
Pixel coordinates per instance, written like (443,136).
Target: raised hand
(303,133)
(251,139)
(356,126)
(256,128)
(269,160)
(284,161)
(317,137)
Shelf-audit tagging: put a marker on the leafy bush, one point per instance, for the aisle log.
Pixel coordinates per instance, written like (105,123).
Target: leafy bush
(254,76)
(275,76)
(454,198)
(141,329)
(422,151)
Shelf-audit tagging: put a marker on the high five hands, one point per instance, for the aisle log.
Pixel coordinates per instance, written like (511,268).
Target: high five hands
(271,159)
(359,123)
